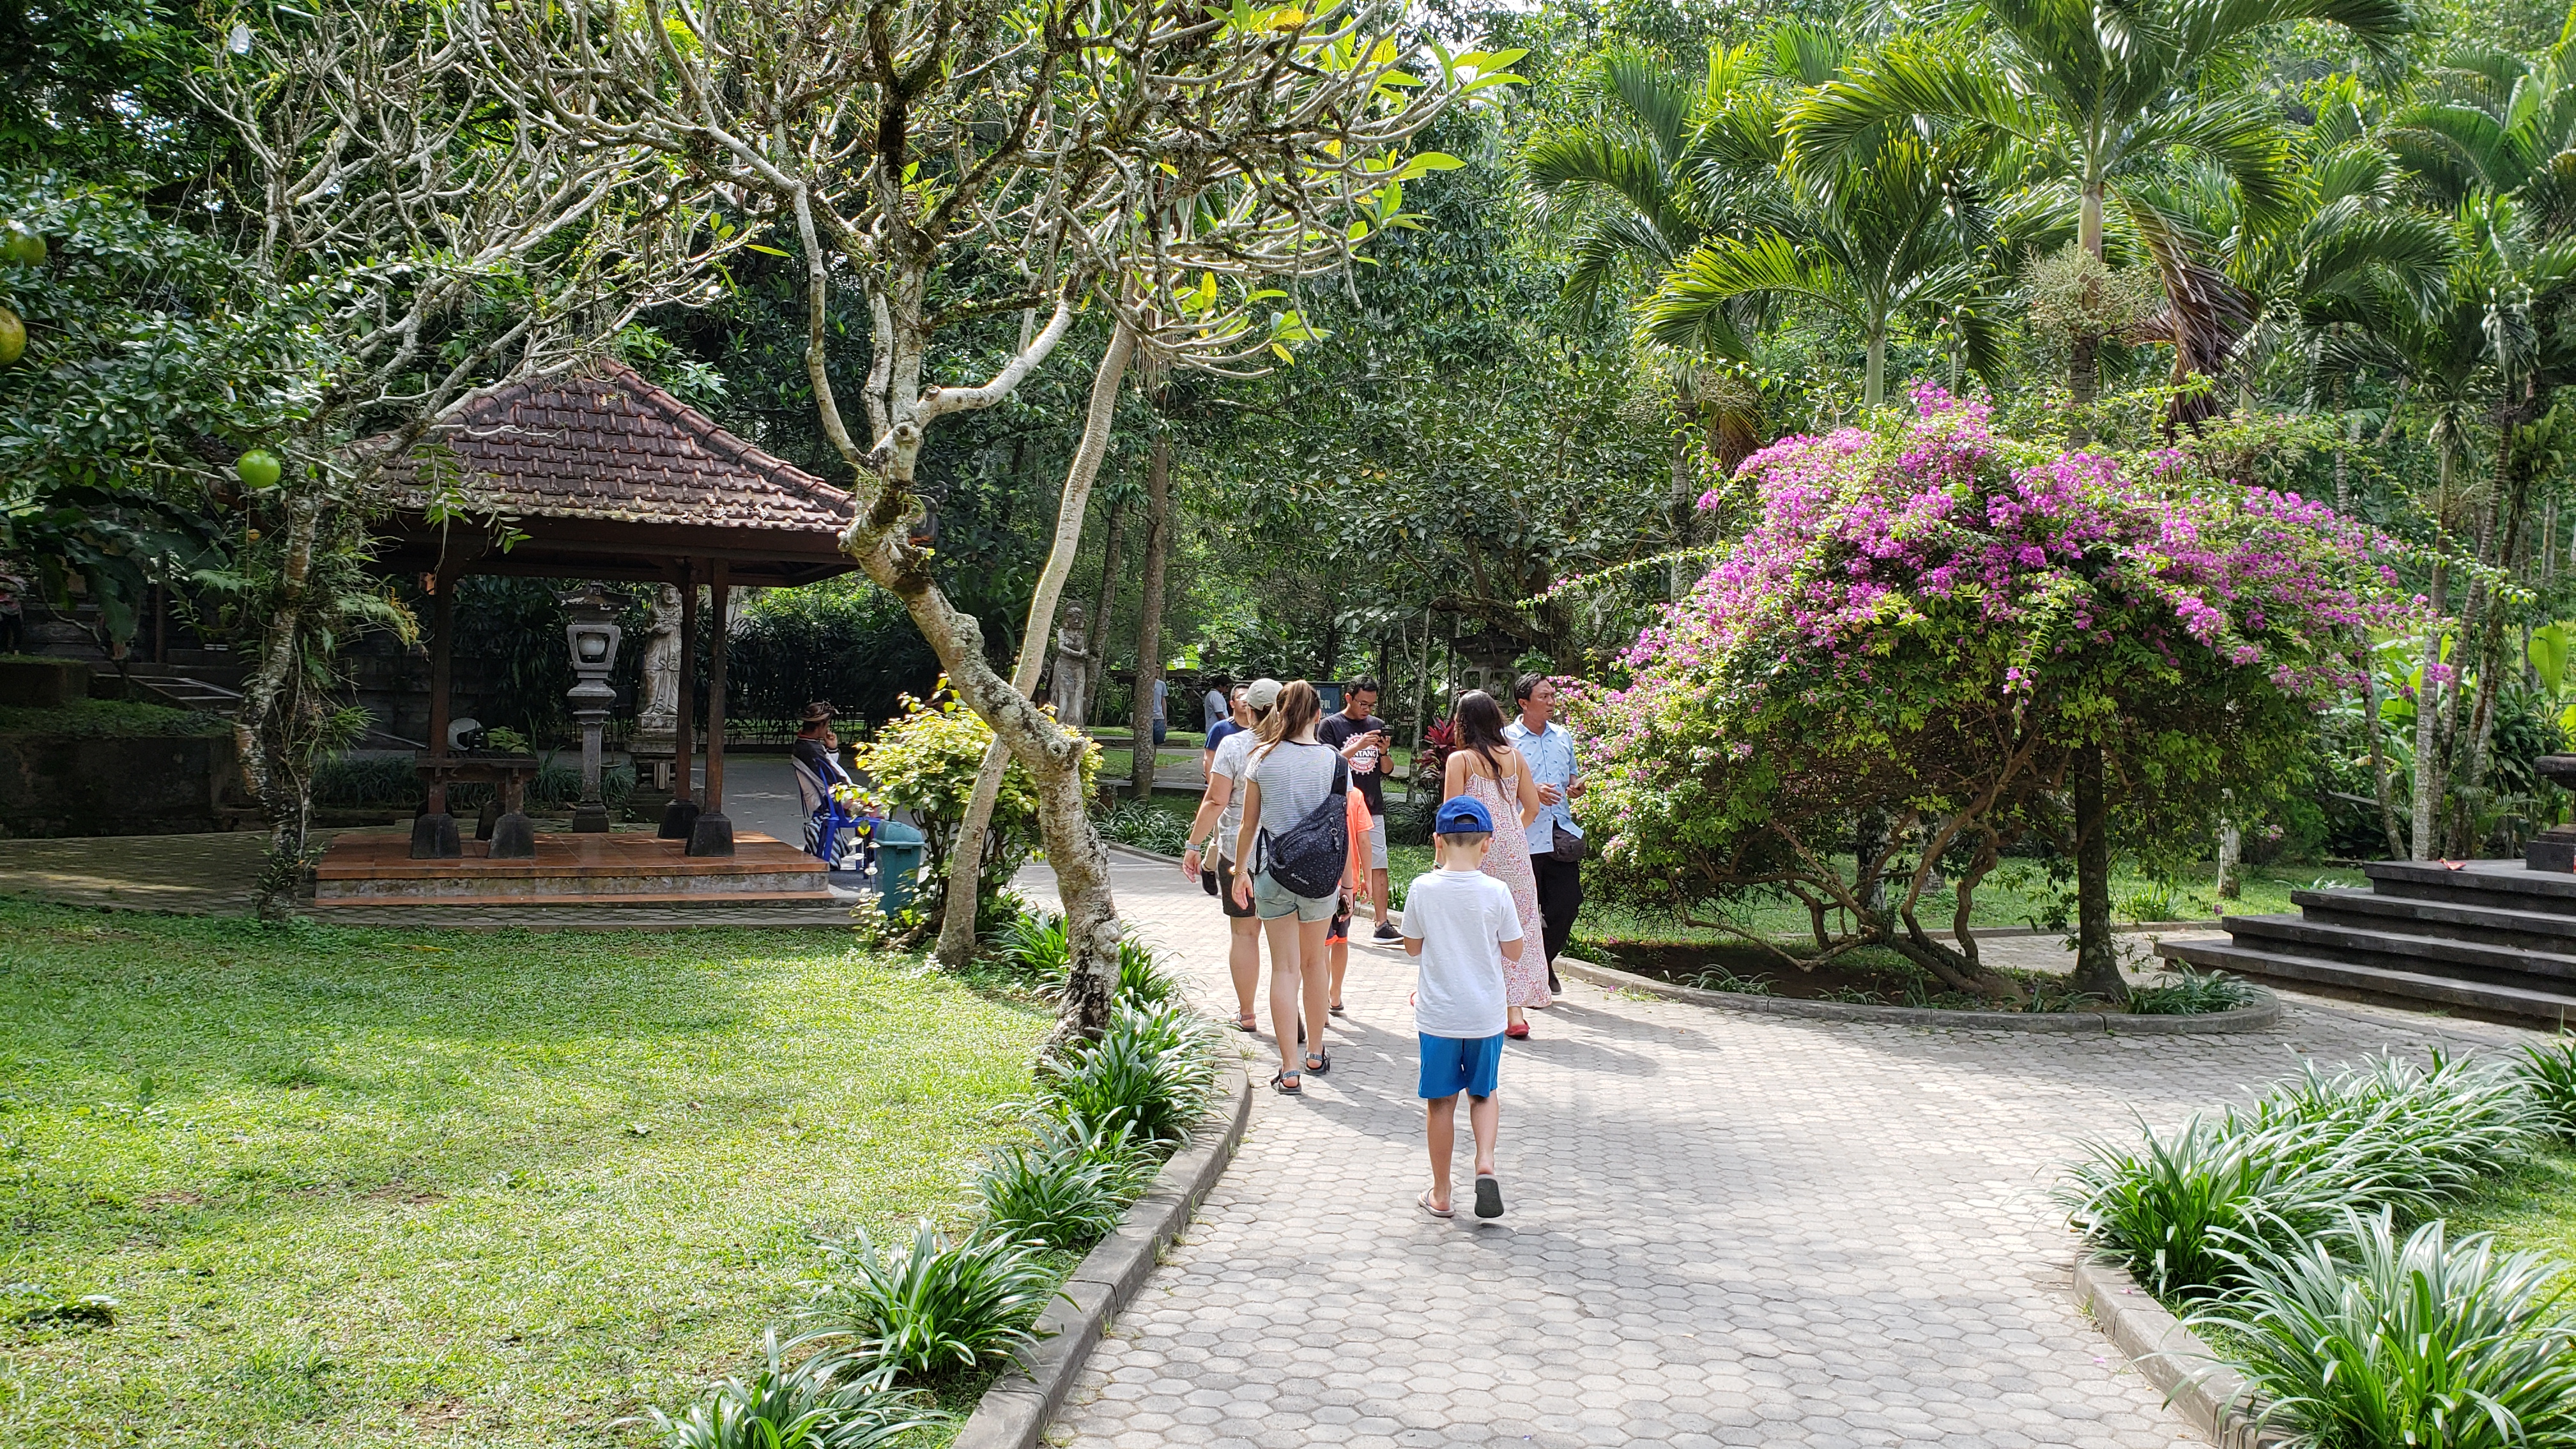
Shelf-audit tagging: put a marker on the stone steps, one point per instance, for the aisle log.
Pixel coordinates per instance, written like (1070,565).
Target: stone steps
(2376,983)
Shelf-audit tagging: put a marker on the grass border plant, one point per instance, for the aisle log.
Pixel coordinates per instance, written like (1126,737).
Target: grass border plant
(2387,1135)
(942,1305)
(829,1400)
(2355,1338)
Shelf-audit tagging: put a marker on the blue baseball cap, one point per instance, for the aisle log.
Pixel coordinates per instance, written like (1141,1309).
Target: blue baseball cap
(1462,816)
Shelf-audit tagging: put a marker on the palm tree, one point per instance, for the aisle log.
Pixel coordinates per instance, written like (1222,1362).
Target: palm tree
(1899,231)
(2099,94)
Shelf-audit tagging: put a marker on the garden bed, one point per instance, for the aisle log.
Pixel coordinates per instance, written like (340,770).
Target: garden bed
(345,1187)
(1878,977)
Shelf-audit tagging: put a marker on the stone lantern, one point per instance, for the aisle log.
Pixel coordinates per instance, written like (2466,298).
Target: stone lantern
(593,636)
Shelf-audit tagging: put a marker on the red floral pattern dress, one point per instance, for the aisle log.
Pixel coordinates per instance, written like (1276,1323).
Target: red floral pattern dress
(1507,860)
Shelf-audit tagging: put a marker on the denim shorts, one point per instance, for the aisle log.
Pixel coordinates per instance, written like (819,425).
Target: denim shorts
(1271,900)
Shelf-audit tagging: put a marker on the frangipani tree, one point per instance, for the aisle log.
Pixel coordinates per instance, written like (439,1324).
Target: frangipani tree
(1943,626)
(423,242)
(1162,161)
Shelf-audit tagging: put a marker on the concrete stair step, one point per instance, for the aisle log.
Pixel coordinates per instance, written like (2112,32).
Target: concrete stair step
(2520,1003)
(2465,920)
(2506,883)
(2376,944)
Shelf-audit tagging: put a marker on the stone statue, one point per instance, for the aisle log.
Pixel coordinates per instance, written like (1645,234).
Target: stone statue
(659,718)
(1071,692)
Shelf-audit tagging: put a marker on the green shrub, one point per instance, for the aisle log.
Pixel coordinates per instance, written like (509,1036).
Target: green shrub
(1141,825)
(2389,1135)
(1067,1189)
(366,780)
(2189,992)
(941,1306)
(925,761)
(1154,1067)
(827,1401)
(1033,945)
(2549,1073)
(2358,1339)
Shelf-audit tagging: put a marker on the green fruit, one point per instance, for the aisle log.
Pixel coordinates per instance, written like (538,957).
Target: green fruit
(25,247)
(13,337)
(259,468)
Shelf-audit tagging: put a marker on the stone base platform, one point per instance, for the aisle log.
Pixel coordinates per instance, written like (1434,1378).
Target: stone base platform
(362,875)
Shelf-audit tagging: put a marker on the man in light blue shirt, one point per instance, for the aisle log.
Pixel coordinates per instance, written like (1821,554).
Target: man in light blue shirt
(1555,841)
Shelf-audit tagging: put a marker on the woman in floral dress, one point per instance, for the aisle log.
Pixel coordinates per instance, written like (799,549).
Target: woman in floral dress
(1486,769)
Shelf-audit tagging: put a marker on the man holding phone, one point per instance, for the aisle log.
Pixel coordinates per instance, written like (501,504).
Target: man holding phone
(1361,737)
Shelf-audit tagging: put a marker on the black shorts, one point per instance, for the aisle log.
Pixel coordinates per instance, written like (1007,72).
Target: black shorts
(1219,882)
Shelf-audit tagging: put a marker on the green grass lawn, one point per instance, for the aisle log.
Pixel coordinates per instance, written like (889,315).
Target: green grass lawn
(2530,1207)
(372,1188)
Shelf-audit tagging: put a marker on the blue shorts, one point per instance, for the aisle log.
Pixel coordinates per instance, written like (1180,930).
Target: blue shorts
(1453,1064)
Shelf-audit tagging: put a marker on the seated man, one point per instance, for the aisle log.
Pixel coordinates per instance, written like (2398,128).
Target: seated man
(819,781)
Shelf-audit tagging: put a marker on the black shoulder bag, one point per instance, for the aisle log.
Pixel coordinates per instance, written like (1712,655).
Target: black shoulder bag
(1310,856)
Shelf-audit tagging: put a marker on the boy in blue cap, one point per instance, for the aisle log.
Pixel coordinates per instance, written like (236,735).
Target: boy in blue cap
(1461,923)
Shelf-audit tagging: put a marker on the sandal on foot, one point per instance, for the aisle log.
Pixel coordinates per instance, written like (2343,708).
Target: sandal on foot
(1287,1084)
(1517,1032)
(1336,1009)
(1245,1023)
(1489,1195)
(1425,1200)
(1318,1063)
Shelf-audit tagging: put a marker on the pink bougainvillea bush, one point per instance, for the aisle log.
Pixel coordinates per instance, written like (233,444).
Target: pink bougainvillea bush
(1918,629)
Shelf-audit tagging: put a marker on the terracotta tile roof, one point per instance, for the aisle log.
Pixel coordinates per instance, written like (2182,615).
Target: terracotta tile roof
(612,446)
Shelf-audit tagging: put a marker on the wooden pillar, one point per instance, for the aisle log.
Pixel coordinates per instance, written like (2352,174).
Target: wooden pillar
(713,834)
(680,817)
(433,835)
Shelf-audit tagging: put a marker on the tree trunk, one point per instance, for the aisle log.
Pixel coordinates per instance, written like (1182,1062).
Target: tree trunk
(957,921)
(264,731)
(2431,781)
(1149,614)
(2231,853)
(1873,392)
(2370,725)
(1108,600)
(2097,965)
(2083,388)
(2509,558)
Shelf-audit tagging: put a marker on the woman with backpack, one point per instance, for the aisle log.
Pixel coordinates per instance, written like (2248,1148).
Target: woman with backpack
(1296,841)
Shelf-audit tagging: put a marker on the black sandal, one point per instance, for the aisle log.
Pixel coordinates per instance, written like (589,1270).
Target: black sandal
(1288,1084)
(1319,1063)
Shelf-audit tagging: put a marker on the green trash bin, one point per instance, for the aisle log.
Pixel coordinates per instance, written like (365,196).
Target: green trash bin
(900,850)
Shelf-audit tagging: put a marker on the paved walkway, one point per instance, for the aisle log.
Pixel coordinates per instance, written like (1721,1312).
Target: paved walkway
(1722,1229)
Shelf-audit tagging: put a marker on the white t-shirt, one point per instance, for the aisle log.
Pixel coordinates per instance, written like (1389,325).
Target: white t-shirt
(1461,917)
(1231,752)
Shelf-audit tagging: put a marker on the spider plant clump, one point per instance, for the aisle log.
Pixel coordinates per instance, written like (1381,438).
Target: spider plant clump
(1068,1189)
(2549,1073)
(1154,1067)
(2386,1135)
(1034,947)
(827,1401)
(2358,1338)
(941,1306)
(2190,992)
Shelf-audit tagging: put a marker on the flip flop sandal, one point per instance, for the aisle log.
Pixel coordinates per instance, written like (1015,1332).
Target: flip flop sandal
(1337,1009)
(1318,1063)
(1287,1084)
(1443,1213)
(1517,1033)
(1489,1195)
(1246,1024)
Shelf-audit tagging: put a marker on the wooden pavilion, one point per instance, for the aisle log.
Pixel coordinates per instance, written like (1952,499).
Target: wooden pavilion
(601,476)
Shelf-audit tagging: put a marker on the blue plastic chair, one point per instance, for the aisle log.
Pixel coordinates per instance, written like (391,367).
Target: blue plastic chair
(827,820)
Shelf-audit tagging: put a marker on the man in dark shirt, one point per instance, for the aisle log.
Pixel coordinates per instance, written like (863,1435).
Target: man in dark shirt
(817,746)
(1361,737)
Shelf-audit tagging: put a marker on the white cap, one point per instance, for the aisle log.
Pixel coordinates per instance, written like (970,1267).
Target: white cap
(1263,693)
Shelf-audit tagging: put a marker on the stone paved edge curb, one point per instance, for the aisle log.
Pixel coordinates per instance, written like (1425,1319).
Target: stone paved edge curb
(2263,1014)
(2171,1357)
(1013,1413)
